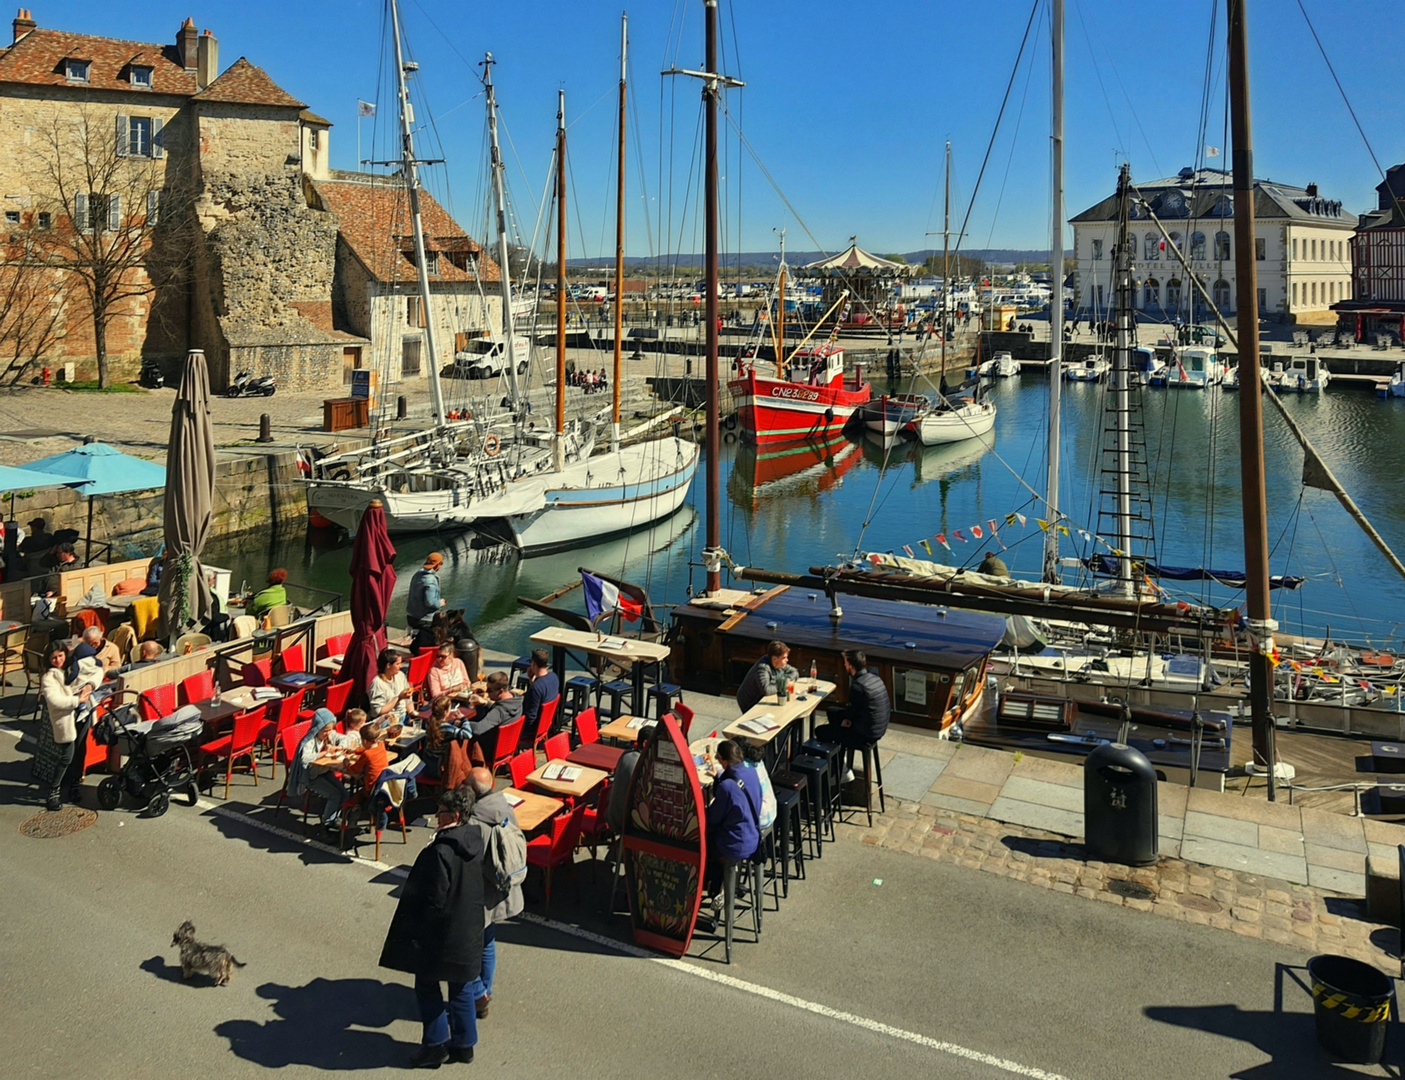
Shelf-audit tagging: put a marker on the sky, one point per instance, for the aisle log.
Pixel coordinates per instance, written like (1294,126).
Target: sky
(844,114)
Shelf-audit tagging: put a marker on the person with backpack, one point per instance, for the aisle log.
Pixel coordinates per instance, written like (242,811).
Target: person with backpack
(733,817)
(504,870)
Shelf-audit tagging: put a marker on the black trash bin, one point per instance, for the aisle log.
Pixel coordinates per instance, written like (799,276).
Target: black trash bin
(1351,1003)
(469,651)
(1119,806)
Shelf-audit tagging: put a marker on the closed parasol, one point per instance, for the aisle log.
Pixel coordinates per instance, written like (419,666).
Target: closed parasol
(372,582)
(186,599)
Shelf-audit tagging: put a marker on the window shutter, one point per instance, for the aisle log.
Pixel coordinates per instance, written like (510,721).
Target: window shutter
(114,212)
(153,208)
(158,149)
(80,211)
(124,136)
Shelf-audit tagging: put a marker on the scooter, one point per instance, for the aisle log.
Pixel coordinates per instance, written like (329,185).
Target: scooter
(247,385)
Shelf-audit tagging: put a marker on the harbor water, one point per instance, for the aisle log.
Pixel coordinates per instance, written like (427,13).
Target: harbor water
(787,511)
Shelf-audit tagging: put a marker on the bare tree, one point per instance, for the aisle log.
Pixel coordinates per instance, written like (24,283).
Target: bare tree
(119,218)
(29,312)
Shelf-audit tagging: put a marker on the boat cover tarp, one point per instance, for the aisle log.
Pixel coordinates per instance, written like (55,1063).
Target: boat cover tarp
(1235,579)
(1021,634)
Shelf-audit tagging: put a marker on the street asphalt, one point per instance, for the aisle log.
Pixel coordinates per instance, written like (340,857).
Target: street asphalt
(879,965)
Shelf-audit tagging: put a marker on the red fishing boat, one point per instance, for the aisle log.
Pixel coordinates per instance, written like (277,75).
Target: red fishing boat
(811,403)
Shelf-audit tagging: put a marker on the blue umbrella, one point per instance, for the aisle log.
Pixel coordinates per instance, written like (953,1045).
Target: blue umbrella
(98,469)
(16,481)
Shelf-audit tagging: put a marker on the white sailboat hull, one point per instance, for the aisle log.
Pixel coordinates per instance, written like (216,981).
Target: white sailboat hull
(411,513)
(954,425)
(607,495)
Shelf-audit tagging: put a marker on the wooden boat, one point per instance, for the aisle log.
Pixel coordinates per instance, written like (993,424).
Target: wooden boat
(890,413)
(812,400)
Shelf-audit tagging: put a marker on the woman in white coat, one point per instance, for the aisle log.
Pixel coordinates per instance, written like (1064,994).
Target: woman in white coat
(63,702)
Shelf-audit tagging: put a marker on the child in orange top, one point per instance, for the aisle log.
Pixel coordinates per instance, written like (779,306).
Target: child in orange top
(372,759)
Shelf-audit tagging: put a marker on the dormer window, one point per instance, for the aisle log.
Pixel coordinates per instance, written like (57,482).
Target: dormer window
(141,76)
(431,262)
(76,71)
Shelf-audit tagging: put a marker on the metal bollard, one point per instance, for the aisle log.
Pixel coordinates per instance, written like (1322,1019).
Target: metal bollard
(265,428)
(401,407)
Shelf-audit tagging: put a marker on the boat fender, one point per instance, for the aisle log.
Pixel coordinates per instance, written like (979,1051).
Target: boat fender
(730,437)
(730,422)
(491,444)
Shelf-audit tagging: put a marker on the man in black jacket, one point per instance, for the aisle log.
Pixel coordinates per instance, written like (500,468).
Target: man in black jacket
(865,719)
(437,933)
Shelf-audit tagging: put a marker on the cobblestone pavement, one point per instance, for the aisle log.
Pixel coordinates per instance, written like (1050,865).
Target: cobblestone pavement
(1245,904)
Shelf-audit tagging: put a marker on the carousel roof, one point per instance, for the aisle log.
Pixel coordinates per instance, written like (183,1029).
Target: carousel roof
(855,261)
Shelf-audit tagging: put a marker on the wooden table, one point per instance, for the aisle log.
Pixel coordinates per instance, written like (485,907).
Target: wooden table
(329,665)
(596,756)
(581,786)
(535,810)
(638,654)
(783,714)
(299,680)
(619,730)
(231,702)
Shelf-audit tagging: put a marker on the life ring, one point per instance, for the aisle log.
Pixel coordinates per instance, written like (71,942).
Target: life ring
(729,437)
(491,444)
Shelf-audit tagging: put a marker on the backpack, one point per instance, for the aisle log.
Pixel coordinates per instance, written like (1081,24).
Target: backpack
(509,848)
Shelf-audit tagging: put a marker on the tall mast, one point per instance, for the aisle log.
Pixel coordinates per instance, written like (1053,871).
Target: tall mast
(560,445)
(1251,419)
(412,188)
(500,209)
(780,315)
(619,248)
(710,93)
(1056,300)
(1121,366)
(946,253)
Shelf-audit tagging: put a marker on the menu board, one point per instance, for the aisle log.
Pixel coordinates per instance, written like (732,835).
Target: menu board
(664,842)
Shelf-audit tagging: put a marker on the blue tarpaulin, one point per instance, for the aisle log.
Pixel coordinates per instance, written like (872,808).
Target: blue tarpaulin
(1235,579)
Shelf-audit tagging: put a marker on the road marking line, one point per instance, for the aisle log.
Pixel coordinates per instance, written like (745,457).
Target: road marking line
(875,1026)
(288,834)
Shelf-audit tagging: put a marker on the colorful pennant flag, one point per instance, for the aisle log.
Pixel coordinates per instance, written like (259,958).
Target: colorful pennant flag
(1022,520)
(1063,529)
(926,546)
(941,539)
(977,531)
(1043,525)
(991,526)
(908,551)
(957,534)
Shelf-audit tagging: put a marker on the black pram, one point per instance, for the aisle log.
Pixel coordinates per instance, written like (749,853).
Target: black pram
(157,756)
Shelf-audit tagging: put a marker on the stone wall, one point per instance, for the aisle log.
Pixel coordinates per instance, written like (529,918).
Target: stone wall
(453,308)
(248,140)
(253,492)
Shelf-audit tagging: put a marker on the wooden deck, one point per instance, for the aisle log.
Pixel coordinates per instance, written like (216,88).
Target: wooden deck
(1320,761)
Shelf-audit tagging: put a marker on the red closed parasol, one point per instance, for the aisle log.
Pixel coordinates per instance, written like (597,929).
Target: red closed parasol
(372,582)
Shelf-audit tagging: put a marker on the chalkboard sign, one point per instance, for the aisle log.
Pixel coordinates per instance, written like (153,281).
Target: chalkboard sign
(664,842)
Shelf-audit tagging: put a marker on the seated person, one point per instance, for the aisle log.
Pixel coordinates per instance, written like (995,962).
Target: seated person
(350,736)
(61,557)
(304,775)
(766,676)
(733,816)
(272,596)
(542,687)
(390,691)
(753,759)
(33,547)
(370,763)
(503,706)
(448,675)
(149,652)
(865,719)
(93,644)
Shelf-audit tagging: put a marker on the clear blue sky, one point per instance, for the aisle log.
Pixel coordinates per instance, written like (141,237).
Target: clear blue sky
(847,105)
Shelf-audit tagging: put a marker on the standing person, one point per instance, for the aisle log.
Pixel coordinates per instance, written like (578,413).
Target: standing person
(273,594)
(492,812)
(542,687)
(64,702)
(865,719)
(766,675)
(424,601)
(33,547)
(437,933)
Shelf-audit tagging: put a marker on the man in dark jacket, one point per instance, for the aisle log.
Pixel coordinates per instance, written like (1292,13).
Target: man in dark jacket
(734,815)
(503,708)
(865,719)
(542,687)
(766,676)
(437,933)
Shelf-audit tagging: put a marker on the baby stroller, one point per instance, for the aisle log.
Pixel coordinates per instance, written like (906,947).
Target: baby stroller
(157,756)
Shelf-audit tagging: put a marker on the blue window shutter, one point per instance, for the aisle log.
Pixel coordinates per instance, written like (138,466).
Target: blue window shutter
(80,210)
(158,149)
(114,212)
(123,136)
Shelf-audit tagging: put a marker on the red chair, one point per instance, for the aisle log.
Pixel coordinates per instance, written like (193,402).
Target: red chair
(94,753)
(287,715)
(499,753)
(337,695)
(557,845)
(684,716)
(595,826)
(197,687)
(522,765)
(157,701)
(288,740)
(237,744)
(419,669)
(336,645)
(545,720)
(258,672)
(290,659)
(558,746)
(587,727)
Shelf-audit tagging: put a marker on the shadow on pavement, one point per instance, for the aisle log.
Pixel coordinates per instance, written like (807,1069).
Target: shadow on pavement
(237,823)
(1046,849)
(323,1025)
(157,966)
(1288,1039)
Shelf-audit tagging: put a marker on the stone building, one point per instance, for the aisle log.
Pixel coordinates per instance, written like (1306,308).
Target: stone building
(1300,243)
(239,181)
(376,291)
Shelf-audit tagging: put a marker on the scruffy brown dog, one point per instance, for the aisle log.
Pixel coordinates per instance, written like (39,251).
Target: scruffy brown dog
(214,960)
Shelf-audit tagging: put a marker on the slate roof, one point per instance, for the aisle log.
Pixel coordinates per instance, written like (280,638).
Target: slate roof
(374,219)
(244,83)
(1208,194)
(37,59)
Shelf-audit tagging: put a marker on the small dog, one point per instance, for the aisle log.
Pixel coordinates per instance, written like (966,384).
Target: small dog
(449,626)
(214,960)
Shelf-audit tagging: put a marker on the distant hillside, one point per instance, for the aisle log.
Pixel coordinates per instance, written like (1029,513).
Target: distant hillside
(800,258)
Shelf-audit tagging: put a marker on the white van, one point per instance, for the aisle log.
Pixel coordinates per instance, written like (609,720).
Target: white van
(486,358)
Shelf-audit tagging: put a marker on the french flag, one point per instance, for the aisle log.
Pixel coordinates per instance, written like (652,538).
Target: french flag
(603,597)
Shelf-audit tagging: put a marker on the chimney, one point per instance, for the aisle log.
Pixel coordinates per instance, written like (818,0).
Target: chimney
(1312,191)
(185,43)
(209,61)
(24,23)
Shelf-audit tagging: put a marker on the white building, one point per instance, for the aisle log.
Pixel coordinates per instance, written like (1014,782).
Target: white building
(1301,240)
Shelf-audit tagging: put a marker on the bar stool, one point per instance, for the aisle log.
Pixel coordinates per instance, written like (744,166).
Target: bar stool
(834,754)
(620,693)
(518,671)
(662,696)
(873,769)
(732,870)
(578,692)
(816,771)
(788,830)
(784,779)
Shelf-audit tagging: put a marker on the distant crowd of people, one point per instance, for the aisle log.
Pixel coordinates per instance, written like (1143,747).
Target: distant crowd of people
(589,381)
